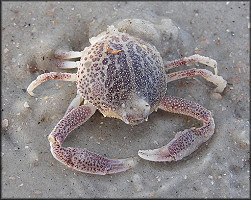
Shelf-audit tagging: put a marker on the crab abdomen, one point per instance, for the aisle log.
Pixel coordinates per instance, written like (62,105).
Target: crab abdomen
(118,70)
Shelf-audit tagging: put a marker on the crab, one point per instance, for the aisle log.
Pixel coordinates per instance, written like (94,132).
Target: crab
(125,77)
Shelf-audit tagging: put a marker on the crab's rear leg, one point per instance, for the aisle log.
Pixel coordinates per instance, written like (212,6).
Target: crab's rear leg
(187,141)
(66,64)
(82,159)
(67,55)
(208,75)
(47,76)
(64,57)
(192,59)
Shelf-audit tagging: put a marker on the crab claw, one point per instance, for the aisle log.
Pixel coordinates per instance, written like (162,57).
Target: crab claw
(155,155)
(187,141)
(82,159)
(120,165)
(86,161)
(184,143)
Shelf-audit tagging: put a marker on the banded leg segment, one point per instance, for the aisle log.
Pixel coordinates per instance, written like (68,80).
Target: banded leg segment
(187,141)
(81,159)
(47,76)
(208,75)
(192,59)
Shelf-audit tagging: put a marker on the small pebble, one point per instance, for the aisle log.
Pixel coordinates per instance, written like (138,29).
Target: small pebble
(5,124)
(5,50)
(155,142)
(37,192)
(33,69)
(210,177)
(216,96)
(26,105)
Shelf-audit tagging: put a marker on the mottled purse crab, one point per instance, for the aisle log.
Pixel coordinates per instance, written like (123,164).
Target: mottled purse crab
(124,77)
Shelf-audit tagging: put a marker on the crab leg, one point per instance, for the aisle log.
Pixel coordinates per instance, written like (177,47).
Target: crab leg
(192,59)
(47,76)
(62,55)
(74,103)
(82,159)
(187,141)
(67,55)
(66,64)
(208,75)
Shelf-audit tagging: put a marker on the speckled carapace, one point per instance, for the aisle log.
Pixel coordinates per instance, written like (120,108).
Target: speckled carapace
(125,78)
(118,83)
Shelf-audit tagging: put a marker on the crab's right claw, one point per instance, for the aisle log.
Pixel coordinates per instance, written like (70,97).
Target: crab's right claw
(187,141)
(184,143)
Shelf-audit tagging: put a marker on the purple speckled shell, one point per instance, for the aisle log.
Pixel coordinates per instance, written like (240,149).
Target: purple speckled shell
(109,81)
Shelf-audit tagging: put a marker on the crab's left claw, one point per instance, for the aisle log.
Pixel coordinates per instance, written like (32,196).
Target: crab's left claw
(120,165)
(82,159)
(86,161)
(187,141)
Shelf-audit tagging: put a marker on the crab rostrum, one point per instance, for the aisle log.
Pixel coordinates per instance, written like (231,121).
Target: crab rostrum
(124,77)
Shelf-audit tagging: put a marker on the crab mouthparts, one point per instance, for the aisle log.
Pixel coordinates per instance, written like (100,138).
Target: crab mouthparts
(134,120)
